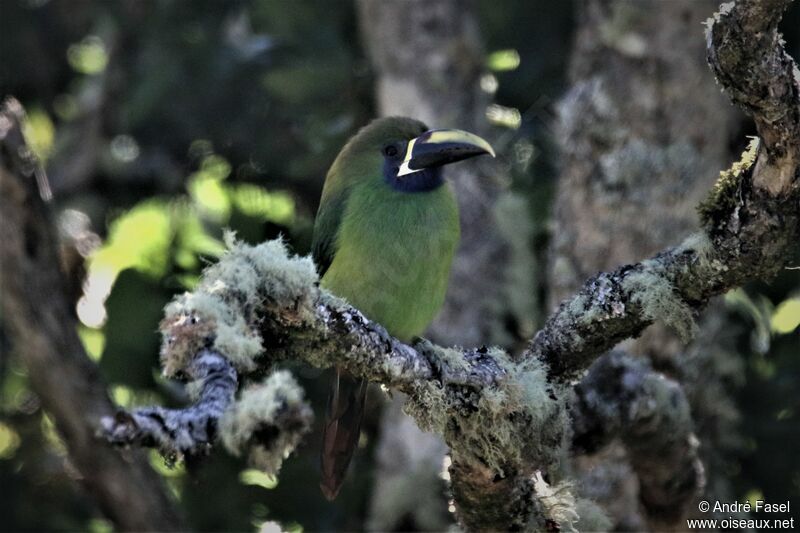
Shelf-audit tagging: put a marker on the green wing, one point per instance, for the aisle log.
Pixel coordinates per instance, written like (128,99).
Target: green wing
(326,226)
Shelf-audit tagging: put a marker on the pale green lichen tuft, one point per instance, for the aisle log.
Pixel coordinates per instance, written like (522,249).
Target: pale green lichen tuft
(268,420)
(659,301)
(724,9)
(558,502)
(223,312)
(706,262)
(512,424)
(724,196)
(699,244)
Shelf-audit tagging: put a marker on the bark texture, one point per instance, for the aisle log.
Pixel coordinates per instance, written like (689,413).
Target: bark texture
(623,398)
(180,432)
(43,333)
(642,131)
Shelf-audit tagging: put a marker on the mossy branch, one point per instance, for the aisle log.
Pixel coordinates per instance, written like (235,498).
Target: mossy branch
(747,54)
(181,432)
(505,417)
(623,397)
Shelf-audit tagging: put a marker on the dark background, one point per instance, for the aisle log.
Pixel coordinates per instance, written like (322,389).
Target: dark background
(163,122)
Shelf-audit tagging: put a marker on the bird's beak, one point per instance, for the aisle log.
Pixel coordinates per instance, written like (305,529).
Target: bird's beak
(439,147)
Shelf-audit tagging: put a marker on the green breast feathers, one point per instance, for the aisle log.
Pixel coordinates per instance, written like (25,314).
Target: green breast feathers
(393,255)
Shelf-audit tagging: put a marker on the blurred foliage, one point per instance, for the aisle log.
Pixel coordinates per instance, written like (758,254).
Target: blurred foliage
(769,339)
(166,121)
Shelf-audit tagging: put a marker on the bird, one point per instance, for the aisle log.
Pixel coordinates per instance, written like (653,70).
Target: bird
(384,238)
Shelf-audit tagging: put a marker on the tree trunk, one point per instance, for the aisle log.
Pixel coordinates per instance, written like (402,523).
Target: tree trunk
(643,133)
(43,332)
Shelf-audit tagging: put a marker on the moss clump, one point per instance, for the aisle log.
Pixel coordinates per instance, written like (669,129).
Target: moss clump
(698,244)
(223,312)
(724,196)
(558,502)
(514,424)
(659,301)
(269,420)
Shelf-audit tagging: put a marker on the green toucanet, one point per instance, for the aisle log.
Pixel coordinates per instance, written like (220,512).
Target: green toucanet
(384,239)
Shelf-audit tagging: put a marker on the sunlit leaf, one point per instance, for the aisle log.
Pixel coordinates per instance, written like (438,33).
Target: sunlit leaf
(188,281)
(165,468)
(503,60)
(121,395)
(185,259)
(52,437)
(271,526)
(139,239)
(172,472)
(99,525)
(88,56)
(753,495)
(9,441)
(293,527)
(252,476)
(93,340)
(194,238)
(256,201)
(215,167)
(210,195)
(786,317)
(39,132)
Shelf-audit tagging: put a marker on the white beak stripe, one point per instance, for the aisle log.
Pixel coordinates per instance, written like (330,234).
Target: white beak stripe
(404,168)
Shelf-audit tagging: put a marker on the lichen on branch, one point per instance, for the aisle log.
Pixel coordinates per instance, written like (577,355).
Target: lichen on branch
(726,193)
(223,313)
(268,421)
(181,432)
(258,292)
(505,416)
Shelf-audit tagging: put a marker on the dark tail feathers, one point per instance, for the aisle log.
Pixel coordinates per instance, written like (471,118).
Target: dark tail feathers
(341,431)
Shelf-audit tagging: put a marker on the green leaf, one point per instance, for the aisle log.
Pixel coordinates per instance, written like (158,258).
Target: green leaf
(786,317)
(88,56)
(252,476)
(503,60)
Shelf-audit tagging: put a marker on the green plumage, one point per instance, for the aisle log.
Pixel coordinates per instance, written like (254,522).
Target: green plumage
(384,239)
(387,252)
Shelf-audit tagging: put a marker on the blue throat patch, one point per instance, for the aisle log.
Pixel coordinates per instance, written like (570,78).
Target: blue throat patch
(422,181)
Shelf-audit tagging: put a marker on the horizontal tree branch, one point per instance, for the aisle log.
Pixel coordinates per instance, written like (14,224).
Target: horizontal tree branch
(751,218)
(179,432)
(268,420)
(504,417)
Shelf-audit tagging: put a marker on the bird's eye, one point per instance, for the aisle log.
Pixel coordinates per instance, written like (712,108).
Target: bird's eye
(390,150)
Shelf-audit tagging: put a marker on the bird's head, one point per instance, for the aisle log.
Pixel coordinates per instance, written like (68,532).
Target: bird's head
(405,154)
